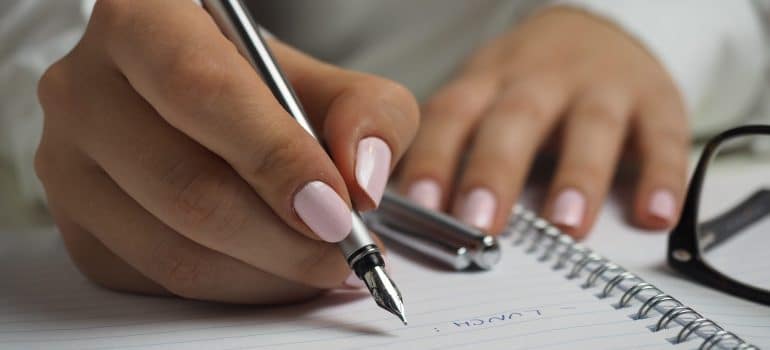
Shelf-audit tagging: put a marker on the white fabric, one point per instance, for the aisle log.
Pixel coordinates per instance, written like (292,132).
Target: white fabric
(716,50)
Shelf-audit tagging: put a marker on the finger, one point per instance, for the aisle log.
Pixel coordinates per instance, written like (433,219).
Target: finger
(366,122)
(98,263)
(199,83)
(177,264)
(367,129)
(196,193)
(663,143)
(594,132)
(430,165)
(504,146)
(181,183)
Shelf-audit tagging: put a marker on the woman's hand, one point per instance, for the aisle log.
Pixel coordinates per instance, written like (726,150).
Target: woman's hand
(563,72)
(170,167)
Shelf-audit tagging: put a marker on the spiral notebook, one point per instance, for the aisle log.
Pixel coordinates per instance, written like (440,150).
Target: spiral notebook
(548,292)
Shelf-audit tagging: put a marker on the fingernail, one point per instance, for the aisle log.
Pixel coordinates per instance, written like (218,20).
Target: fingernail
(323,211)
(354,282)
(373,167)
(569,208)
(478,208)
(662,205)
(426,193)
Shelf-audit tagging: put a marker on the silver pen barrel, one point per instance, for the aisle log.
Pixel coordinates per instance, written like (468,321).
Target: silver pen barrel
(360,251)
(235,21)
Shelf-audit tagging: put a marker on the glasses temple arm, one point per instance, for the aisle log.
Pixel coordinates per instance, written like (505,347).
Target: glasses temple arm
(728,224)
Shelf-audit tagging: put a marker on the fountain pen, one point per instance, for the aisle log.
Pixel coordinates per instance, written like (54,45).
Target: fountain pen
(362,254)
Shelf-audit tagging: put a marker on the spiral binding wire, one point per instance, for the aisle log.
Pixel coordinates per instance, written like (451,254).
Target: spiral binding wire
(652,302)
(542,235)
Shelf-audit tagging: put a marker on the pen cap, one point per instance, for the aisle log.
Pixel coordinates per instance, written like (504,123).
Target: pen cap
(403,215)
(455,257)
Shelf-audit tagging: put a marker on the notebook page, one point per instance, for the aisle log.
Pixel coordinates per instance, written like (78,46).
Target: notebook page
(45,303)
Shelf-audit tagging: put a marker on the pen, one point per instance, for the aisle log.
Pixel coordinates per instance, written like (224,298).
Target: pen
(362,254)
(457,258)
(433,234)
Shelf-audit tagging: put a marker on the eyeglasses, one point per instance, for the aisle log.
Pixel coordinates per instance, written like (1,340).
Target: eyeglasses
(722,239)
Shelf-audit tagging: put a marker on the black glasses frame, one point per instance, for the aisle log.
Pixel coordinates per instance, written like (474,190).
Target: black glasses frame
(684,254)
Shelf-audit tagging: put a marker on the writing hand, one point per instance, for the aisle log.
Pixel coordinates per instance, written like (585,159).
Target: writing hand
(170,168)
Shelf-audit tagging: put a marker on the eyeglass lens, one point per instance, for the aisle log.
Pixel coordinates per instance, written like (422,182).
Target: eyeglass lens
(734,211)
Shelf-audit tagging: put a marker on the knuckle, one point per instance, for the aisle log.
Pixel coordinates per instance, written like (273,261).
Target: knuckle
(533,95)
(679,137)
(81,255)
(61,96)
(92,270)
(276,156)
(587,174)
(525,102)
(55,162)
(400,100)
(392,100)
(89,256)
(391,91)
(196,76)
(595,172)
(661,91)
(604,118)
(314,268)
(181,271)
(43,163)
(662,137)
(605,106)
(666,168)
(461,100)
(53,86)
(660,157)
(207,206)
(113,13)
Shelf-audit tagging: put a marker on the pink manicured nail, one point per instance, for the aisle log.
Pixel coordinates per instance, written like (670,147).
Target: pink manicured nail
(662,205)
(354,282)
(323,211)
(569,208)
(373,167)
(478,208)
(426,193)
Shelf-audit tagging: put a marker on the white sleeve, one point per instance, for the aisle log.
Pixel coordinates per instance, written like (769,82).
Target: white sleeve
(715,50)
(33,34)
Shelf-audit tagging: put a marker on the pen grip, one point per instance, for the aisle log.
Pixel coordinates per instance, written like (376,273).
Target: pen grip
(358,241)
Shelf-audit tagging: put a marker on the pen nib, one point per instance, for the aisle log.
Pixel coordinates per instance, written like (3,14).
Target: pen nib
(385,292)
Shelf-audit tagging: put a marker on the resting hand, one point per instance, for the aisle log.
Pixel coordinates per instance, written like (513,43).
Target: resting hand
(562,73)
